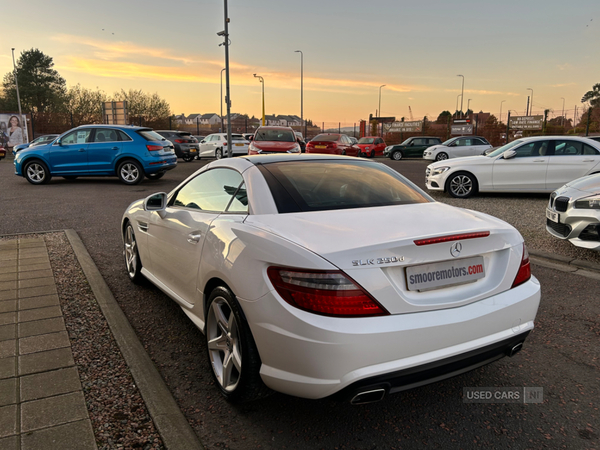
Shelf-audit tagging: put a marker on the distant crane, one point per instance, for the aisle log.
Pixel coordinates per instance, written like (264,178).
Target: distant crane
(411,116)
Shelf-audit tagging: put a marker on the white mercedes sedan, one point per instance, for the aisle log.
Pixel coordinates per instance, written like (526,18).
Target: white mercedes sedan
(536,164)
(321,275)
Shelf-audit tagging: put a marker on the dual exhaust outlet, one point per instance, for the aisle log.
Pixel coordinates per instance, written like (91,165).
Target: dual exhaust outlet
(375,394)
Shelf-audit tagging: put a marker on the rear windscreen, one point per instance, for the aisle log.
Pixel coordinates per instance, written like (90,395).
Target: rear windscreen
(326,137)
(150,135)
(326,185)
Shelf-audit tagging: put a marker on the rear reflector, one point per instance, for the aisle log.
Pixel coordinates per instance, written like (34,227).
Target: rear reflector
(154,148)
(524,272)
(329,293)
(454,237)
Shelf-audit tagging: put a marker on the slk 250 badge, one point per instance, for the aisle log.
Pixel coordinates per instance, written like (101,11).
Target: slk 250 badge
(375,261)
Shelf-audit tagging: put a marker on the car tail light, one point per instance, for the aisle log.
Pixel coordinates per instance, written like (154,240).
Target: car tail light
(329,293)
(524,272)
(181,141)
(332,145)
(154,148)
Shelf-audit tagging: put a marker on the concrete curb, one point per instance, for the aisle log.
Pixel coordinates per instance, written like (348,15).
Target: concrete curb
(565,263)
(174,429)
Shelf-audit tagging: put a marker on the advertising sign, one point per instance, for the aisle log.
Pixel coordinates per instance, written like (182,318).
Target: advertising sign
(12,130)
(115,113)
(461,129)
(403,127)
(526,122)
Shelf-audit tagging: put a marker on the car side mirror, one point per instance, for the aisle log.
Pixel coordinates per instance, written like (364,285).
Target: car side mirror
(156,202)
(509,154)
(59,142)
(203,141)
(250,138)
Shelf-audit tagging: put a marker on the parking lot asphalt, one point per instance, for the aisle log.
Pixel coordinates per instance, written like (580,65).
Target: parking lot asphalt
(561,355)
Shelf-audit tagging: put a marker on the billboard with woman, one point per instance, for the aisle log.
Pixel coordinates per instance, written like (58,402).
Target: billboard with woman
(13,131)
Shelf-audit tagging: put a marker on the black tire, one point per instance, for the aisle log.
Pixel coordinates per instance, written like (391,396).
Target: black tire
(358,154)
(219,153)
(372,153)
(397,155)
(133,263)
(461,185)
(231,350)
(155,176)
(130,172)
(70,177)
(442,156)
(343,152)
(188,158)
(36,172)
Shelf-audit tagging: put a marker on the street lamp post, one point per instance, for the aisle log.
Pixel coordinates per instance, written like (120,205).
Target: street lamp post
(462,93)
(500,118)
(222,70)
(262,81)
(380,99)
(301,89)
(531,109)
(468,104)
(18,96)
(563,112)
(456,110)
(225,34)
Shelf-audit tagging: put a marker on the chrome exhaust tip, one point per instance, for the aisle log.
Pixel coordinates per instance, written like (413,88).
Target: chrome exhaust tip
(371,396)
(515,349)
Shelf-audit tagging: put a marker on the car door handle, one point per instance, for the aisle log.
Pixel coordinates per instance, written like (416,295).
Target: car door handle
(589,160)
(539,160)
(115,148)
(194,238)
(82,149)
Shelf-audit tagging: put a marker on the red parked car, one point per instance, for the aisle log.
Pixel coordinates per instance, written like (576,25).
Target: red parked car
(273,140)
(371,146)
(332,143)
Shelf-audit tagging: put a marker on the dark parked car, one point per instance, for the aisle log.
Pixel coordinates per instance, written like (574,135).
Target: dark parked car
(45,139)
(186,145)
(413,146)
(2,152)
(332,143)
(127,152)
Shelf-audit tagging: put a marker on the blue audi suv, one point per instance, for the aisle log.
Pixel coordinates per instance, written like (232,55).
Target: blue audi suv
(128,152)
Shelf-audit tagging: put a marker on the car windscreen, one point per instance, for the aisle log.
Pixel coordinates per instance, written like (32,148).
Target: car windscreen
(366,140)
(150,135)
(239,137)
(323,185)
(275,135)
(326,137)
(449,141)
(502,149)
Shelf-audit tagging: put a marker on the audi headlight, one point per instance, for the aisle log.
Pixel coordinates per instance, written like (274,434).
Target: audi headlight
(588,203)
(439,170)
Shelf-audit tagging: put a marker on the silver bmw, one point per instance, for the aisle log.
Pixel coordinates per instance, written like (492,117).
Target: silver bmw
(573,212)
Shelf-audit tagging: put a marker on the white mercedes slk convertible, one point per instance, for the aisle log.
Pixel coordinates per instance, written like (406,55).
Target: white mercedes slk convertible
(321,275)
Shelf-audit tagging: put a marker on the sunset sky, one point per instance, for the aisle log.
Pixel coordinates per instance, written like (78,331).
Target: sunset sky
(350,47)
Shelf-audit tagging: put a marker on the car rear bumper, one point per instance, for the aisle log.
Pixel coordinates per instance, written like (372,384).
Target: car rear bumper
(312,356)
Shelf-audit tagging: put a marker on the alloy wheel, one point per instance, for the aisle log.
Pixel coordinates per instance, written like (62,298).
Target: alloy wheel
(224,345)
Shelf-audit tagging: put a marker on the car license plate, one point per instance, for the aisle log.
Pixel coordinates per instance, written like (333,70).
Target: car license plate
(192,150)
(320,146)
(240,145)
(437,275)
(553,216)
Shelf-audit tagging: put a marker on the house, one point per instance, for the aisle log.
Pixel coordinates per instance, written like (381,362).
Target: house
(210,119)
(193,119)
(179,119)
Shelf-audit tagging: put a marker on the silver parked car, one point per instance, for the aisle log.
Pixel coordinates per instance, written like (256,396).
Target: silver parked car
(573,212)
